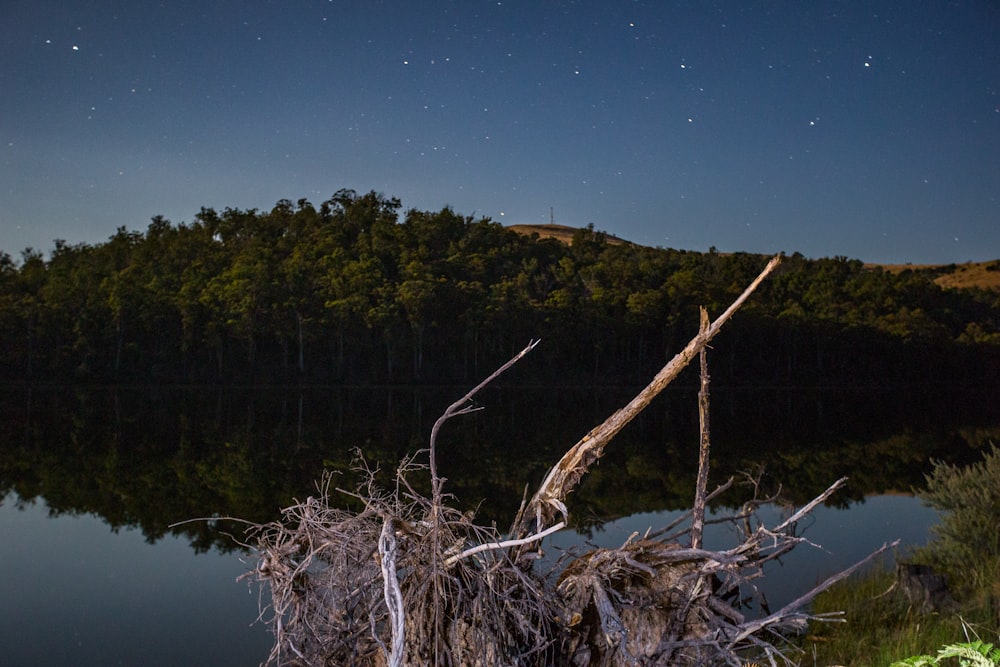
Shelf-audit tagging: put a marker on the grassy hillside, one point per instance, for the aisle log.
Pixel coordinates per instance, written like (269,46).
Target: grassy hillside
(562,233)
(971,274)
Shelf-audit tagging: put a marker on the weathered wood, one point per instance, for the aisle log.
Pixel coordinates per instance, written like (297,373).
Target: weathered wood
(704,445)
(549,500)
(391,593)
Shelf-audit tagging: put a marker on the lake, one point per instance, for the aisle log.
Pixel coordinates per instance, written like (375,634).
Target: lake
(93,479)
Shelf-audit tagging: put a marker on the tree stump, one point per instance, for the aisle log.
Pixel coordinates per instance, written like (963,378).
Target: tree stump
(923,588)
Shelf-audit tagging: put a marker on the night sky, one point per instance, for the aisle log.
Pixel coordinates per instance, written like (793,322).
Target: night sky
(866,129)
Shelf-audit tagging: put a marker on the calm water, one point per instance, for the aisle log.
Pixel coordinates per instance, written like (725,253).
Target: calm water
(73,592)
(93,573)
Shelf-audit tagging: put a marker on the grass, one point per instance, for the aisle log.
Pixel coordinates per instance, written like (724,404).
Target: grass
(985,275)
(972,274)
(562,233)
(880,627)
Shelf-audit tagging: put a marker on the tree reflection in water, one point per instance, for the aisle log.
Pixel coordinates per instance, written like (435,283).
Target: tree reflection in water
(150,457)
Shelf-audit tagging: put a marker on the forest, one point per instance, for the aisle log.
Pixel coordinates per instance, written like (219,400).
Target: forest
(355,291)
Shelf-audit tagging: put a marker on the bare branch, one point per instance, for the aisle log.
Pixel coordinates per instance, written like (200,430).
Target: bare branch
(807,508)
(550,497)
(493,546)
(792,610)
(393,596)
(461,407)
(698,522)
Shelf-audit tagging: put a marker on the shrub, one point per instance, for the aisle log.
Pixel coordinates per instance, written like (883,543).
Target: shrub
(966,544)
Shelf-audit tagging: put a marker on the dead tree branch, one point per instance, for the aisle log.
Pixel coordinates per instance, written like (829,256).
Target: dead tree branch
(698,523)
(393,596)
(793,610)
(549,500)
(506,544)
(460,407)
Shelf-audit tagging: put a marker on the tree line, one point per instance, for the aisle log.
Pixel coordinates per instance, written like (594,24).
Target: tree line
(353,291)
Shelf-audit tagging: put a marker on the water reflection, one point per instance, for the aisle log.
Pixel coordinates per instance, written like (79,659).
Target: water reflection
(96,575)
(150,458)
(75,593)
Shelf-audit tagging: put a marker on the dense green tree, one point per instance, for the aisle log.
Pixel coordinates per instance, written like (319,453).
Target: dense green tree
(347,291)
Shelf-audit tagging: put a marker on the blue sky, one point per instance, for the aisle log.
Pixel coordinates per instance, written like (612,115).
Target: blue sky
(866,129)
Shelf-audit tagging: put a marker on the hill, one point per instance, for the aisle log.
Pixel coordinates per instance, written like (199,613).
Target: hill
(353,292)
(985,275)
(562,233)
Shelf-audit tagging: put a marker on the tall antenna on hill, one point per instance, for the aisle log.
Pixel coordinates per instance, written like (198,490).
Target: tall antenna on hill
(552,215)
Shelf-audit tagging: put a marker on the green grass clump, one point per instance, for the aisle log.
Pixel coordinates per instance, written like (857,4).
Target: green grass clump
(881,628)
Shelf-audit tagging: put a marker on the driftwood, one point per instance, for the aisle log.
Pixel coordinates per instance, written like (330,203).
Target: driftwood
(409,580)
